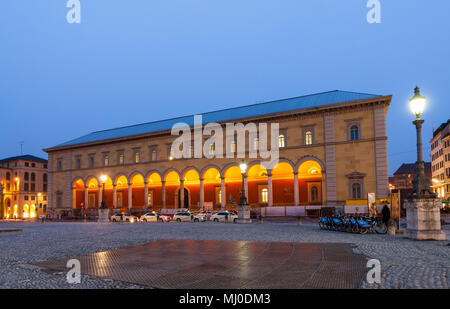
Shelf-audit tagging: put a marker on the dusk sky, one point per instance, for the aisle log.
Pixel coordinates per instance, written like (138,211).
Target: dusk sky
(135,61)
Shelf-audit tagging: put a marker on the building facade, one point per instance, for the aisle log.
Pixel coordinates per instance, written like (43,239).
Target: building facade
(440,161)
(403,179)
(332,149)
(23,187)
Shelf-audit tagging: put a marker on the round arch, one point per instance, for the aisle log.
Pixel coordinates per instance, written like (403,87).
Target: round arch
(76,180)
(135,174)
(309,158)
(118,176)
(208,167)
(170,170)
(151,173)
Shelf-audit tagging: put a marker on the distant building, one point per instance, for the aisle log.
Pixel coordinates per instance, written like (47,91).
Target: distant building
(440,160)
(23,187)
(403,177)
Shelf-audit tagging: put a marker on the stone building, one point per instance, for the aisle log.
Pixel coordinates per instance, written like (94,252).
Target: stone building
(332,149)
(440,161)
(403,177)
(23,187)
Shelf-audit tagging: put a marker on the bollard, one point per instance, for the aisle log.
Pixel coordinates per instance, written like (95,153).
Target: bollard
(260,219)
(391,227)
(299,221)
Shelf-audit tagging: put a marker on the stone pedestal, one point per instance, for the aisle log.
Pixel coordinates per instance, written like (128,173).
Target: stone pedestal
(103,215)
(423,219)
(243,214)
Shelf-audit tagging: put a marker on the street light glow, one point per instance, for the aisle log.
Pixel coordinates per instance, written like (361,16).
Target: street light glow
(243,167)
(103,178)
(417,103)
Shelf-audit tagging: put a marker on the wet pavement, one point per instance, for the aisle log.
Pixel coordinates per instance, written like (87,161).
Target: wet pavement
(219,264)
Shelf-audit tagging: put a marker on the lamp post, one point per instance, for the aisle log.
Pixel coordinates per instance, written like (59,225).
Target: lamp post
(243,207)
(243,168)
(103,179)
(423,217)
(421,184)
(103,211)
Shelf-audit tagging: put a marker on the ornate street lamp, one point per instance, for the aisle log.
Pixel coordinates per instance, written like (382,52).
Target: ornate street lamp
(103,179)
(421,184)
(243,168)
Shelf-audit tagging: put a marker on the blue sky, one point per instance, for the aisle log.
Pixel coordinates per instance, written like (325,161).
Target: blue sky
(134,61)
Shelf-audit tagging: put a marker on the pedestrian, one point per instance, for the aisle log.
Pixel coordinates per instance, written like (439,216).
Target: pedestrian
(386,212)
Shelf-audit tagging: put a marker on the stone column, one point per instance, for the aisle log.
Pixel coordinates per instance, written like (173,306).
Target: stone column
(202,194)
(324,187)
(269,188)
(181,201)
(114,196)
(86,197)
(296,197)
(222,190)
(146,195)
(163,194)
(330,160)
(99,196)
(130,199)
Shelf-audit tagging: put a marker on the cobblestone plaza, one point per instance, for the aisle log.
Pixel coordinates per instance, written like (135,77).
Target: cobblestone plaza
(404,263)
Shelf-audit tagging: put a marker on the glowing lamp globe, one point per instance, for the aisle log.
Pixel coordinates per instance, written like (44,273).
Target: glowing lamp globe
(103,178)
(417,103)
(243,167)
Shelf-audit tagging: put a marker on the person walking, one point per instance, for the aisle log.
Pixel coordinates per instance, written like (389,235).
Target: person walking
(386,212)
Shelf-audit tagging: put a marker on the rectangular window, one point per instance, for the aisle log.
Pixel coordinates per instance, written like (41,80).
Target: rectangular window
(91,161)
(25,186)
(137,157)
(106,160)
(33,187)
(308,136)
(25,197)
(78,163)
(59,165)
(120,158)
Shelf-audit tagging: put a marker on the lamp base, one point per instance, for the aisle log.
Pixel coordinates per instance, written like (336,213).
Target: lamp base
(103,215)
(243,214)
(423,219)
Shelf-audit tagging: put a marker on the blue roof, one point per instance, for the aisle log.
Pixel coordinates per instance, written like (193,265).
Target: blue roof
(24,157)
(284,105)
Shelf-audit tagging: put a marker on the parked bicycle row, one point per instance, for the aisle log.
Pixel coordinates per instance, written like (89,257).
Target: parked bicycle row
(350,224)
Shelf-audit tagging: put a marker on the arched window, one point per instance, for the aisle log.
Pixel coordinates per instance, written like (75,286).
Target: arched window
(356,190)
(308,138)
(264,195)
(33,177)
(8,176)
(354,133)
(26,176)
(44,177)
(281,141)
(314,194)
(154,154)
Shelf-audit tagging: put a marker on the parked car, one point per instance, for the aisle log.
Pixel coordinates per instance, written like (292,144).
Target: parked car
(123,218)
(154,217)
(221,216)
(185,216)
